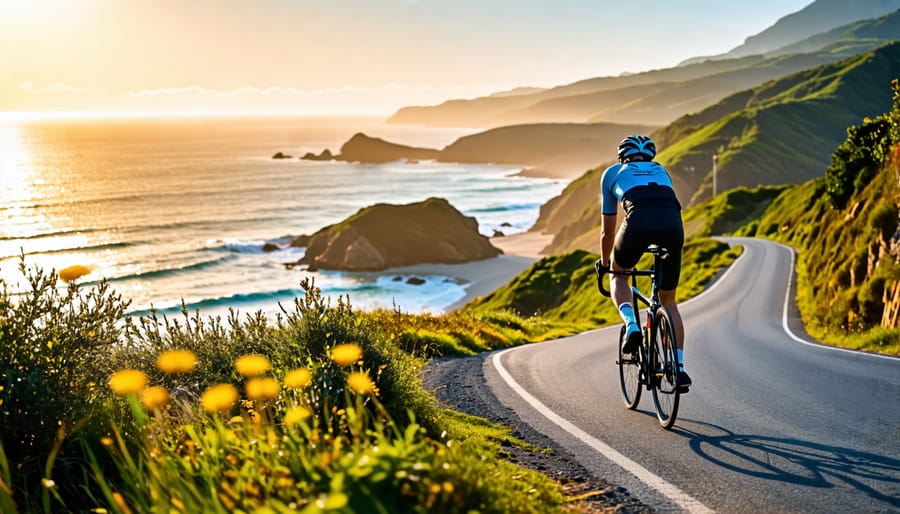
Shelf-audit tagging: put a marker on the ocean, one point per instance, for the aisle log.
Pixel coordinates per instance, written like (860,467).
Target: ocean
(177,210)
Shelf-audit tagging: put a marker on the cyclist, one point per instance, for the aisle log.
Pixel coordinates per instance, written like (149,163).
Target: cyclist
(652,216)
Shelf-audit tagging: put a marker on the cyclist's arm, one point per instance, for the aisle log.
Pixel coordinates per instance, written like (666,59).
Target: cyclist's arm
(608,207)
(607,238)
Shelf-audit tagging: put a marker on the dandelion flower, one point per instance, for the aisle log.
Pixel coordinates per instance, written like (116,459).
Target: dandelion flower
(346,354)
(218,398)
(127,381)
(176,361)
(154,397)
(360,383)
(264,388)
(251,365)
(74,272)
(296,414)
(298,378)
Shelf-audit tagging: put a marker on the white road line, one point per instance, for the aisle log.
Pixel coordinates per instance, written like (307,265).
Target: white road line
(674,494)
(790,333)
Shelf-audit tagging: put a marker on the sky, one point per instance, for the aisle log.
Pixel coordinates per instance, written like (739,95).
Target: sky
(341,57)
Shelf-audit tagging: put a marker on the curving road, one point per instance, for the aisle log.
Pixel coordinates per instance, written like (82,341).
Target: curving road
(772,424)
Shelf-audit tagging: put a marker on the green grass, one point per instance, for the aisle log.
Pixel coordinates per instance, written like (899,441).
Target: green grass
(561,290)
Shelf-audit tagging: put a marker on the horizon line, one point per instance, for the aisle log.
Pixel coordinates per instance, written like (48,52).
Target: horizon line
(61,115)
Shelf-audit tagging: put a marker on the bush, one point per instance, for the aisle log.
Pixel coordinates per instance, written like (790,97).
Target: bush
(53,366)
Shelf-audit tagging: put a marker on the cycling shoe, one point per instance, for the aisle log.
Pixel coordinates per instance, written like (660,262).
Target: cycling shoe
(632,339)
(683,381)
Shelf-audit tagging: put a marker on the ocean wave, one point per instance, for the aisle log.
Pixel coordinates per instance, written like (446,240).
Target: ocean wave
(70,249)
(506,208)
(222,302)
(174,270)
(248,246)
(58,233)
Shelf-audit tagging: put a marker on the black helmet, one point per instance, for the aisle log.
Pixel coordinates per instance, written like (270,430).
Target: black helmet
(633,145)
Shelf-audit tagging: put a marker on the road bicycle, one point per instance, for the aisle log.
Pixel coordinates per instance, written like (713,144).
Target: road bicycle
(655,364)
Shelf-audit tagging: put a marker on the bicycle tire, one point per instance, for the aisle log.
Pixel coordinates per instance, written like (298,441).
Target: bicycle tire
(665,376)
(629,375)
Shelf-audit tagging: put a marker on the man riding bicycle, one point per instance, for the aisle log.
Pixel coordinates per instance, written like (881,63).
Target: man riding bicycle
(652,216)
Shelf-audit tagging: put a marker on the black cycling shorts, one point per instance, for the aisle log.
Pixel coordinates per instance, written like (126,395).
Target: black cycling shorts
(651,219)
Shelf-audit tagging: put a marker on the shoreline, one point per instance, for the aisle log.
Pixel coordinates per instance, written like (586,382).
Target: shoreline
(486,276)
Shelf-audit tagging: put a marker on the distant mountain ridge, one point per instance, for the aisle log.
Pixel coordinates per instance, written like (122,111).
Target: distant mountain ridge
(659,97)
(817,17)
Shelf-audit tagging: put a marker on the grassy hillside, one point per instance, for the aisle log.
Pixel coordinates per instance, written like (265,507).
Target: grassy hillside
(729,211)
(555,149)
(780,132)
(845,227)
(563,288)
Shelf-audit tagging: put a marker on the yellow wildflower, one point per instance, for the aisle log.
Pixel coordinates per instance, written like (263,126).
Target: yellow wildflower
(360,383)
(154,397)
(298,378)
(218,398)
(346,354)
(296,414)
(74,272)
(251,365)
(176,361)
(128,381)
(264,388)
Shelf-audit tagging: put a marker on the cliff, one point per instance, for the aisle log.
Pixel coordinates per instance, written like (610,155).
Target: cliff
(384,236)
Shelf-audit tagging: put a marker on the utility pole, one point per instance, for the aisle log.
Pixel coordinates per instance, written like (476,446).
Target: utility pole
(715,172)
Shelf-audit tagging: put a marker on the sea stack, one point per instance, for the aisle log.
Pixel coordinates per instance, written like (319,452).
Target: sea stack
(385,236)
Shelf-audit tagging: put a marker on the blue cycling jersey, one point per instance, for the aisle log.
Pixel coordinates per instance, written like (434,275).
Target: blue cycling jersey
(619,178)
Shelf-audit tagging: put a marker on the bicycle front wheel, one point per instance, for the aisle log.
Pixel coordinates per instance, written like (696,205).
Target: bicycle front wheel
(629,375)
(665,366)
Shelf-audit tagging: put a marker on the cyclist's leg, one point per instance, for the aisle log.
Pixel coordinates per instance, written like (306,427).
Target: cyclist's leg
(627,251)
(667,298)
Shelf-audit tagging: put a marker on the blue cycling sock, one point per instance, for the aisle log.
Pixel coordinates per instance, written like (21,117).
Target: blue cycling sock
(681,358)
(627,313)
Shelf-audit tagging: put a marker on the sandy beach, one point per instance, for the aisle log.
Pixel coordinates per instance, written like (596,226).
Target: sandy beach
(519,252)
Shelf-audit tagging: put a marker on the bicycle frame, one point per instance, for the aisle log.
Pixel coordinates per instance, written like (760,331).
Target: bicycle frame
(655,361)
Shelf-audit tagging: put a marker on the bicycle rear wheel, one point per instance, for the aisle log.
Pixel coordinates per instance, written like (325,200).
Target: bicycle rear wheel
(665,365)
(629,375)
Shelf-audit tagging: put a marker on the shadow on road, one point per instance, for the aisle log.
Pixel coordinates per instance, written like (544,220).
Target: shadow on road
(799,462)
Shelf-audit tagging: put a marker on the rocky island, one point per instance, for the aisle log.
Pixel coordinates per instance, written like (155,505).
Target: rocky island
(384,236)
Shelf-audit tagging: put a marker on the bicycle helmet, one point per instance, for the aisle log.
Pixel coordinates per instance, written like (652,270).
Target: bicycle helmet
(633,145)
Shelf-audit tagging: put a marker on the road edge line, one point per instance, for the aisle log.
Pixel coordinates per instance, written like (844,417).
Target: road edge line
(790,333)
(665,488)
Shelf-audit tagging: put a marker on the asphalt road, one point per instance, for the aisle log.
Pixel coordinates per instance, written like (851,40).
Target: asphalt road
(772,424)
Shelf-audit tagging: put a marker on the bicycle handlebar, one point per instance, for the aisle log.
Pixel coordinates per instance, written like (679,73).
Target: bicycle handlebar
(602,270)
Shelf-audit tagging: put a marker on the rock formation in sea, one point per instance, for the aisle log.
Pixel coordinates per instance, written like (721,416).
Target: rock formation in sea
(386,235)
(324,156)
(367,149)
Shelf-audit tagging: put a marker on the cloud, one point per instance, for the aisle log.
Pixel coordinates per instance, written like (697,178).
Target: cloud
(56,87)
(279,90)
(244,90)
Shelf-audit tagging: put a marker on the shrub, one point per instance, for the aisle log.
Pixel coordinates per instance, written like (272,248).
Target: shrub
(52,366)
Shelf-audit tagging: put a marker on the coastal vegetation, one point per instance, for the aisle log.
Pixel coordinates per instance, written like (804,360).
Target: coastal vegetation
(320,409)
(846,230)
